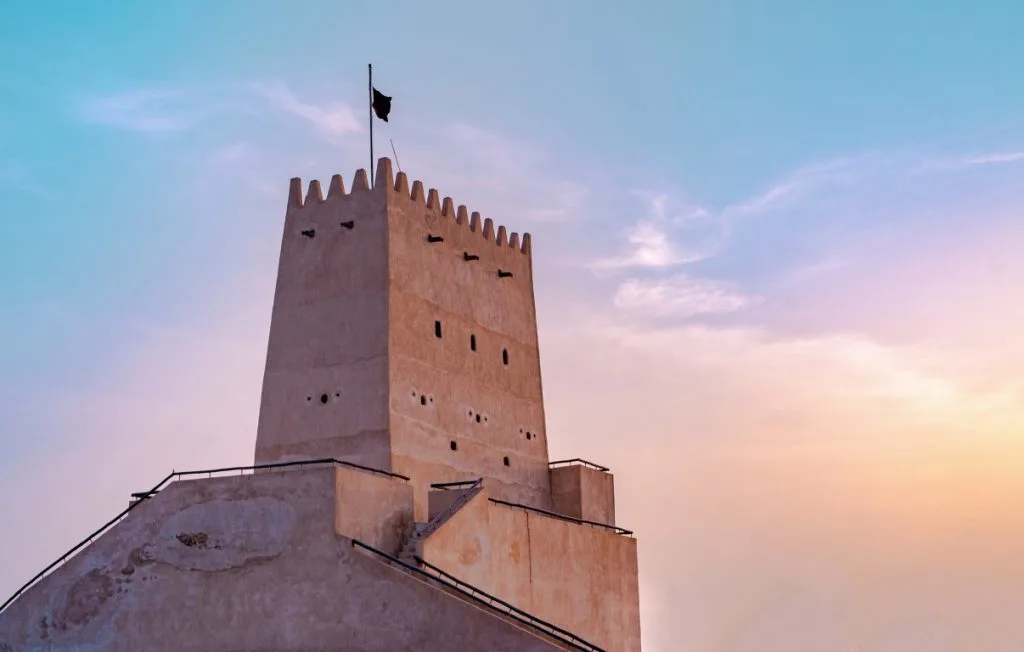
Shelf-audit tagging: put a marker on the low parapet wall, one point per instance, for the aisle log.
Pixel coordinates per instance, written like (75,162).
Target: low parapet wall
(576,575)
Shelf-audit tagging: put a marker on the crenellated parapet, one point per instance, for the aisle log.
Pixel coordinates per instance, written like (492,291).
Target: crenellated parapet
(453,223)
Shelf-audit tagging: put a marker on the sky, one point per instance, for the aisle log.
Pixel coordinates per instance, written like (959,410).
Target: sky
(776,256)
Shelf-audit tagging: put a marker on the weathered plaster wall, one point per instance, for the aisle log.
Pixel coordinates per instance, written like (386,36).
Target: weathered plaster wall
(245,563)
(486,403)
(583,492)
(578,577)
(375,509)
(325,388)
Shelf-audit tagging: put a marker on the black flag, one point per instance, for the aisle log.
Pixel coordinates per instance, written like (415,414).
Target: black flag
(381,105)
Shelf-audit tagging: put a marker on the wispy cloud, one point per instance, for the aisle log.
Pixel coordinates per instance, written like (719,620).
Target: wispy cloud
(818,268)
(778,449)
(671,233)
(796,184)
(648,245)
(679,296)
(334,119)
(674,233)
(146,110)
(567,197)
(969,161)
(502,155)
(511,177)
(247,164)
(847,366)
(666,208)
(997,157)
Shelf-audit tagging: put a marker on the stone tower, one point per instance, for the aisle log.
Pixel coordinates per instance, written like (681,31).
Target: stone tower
(404,337)
(402,496)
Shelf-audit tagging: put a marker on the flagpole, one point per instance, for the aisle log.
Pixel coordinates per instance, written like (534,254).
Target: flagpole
(369,68)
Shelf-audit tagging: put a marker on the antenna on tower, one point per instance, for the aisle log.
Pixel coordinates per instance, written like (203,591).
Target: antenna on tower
(396,155)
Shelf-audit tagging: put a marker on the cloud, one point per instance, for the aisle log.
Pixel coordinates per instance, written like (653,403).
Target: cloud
(675,233)
(502,155)
(672,233)
(649,246)
(246,163)
(817,268)
(995,157)
(798,183)
(832,476)
(666,208)
(679,296)
(146,110)
(335,119)
(566,198)
(918,379)
(511,178)
(969,161)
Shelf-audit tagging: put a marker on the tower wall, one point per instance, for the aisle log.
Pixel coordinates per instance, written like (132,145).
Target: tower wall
(486,403)
(325,387)
(365,279)
(582,492)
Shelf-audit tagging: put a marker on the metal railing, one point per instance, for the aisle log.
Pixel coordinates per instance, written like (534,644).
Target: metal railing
(472,488)
(454,485)
(280,465)
(143,495)
(486,599)
(580,462)
(572,519)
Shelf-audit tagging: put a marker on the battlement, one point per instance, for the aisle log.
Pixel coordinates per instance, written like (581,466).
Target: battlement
(397,192)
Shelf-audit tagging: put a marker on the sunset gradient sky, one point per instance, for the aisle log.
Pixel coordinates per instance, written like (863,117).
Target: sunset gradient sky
(778,261)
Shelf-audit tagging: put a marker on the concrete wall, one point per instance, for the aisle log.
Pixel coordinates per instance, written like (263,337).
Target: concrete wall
(325,387)
(581,578)
(488,401)
(582,492)
(245,563)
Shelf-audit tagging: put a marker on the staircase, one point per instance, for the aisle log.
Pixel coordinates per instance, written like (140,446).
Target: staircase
(413,547)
